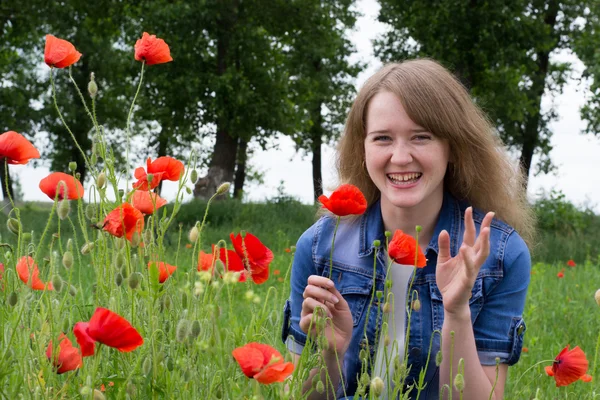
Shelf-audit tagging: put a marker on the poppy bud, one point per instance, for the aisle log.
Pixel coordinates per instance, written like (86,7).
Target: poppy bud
(379,294)
(98,395)
(195,329)
(320,387)
(167,302)
(72,166)
(63,209)
(193,176)
(67,259)
(182,330)
(87,248)
(57,283)
(121,193)
(418,228)
(149,178)
(77,174)
(135,239)
(597,297)
(101,180)
(438,358)
(85,391)
(13,225)
(72,291)
(388,234)
(416,305)
(386,340)
(223,188)
(134,280)
(147,366)
(27,236)
(388,283)
(459,382)
(131,390)
(90,211)
(377,386)
(194,234)
(184,300)
(170,364)
(119,260)
(118,279)
(376,243)
(12,299)
(66,325)
(386,307)
(188,190)
(92,86)
(362,355)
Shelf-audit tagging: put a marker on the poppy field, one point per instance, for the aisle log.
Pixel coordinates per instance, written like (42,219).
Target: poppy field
(109,296)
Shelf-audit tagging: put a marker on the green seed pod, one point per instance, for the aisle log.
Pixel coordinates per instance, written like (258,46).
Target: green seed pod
(134,280)
(73,291)
(13,225)
(388,283)
(416,305)
(184,300)
(66,325)
(170,364)
(67,259)
(195,329)
(223,188)
(365,379)
(147,366)
(90,211)
(118,279)
(379,294)
(167,302)
(438,358)
(64,207)
(182,330)
(92,86)
(27,237)
(193,176)
(459,382)
(72,166)
(135,239)
(320,388)
(363,355)
(12,299)
(119,260)
(87,248)
(377,386)
(101,180)
(121,193)
(57,283)
(386,307)
(376,242)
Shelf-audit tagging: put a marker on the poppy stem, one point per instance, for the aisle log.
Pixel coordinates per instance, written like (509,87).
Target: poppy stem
(533,366)
(337,223)
(127,130)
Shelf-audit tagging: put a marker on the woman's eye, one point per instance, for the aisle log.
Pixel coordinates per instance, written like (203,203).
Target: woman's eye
(381,138)
(423,137)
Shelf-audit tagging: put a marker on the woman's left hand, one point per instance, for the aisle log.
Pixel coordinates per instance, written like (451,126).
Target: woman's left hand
(455,276)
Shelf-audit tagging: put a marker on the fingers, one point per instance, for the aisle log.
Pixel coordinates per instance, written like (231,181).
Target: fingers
(444,246)
(469,236)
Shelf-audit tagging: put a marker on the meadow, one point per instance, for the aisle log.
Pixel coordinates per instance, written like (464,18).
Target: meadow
(189,335)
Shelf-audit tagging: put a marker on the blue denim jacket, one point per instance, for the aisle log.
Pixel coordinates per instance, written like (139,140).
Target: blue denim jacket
(497,301)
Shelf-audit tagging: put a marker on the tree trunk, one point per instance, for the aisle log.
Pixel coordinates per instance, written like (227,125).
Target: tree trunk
(163,142)
(222,164)
(4,176)
(316,134)
(531,130)
(240,170)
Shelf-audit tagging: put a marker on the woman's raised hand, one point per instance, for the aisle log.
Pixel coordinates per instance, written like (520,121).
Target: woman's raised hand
(455,276)
(321,293)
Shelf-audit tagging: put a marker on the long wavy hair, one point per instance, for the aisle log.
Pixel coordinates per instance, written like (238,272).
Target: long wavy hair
(481,171)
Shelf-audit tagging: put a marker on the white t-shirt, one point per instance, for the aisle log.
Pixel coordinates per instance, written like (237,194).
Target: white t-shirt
(384,361)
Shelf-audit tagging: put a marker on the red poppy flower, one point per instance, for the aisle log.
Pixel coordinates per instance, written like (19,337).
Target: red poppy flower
(255,255)
(229,258)
(87,344)
(113,330)
(152,50)
(569,366)
(147,202)
(66,357)
(16,148)
(345,200)
(262,362)
(60,53)
(163,168)
(124,221)
(402,250)
(164,270)
(561,274)
(49,186)
(571,263)
(25,265)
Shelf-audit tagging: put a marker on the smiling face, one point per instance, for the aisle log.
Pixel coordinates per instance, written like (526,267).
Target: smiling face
(405,161)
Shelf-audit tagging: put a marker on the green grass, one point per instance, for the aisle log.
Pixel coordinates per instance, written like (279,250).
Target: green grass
(558,311)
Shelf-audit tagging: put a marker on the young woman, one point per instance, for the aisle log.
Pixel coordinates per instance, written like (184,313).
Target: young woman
(423,154)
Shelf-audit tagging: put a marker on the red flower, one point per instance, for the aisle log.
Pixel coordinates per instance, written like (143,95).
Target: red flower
(25,265)
(87,344)
(124,221)
(255,255)
(229,258)
(66,357)
(569,366)
(345,200)
(49,185)
(16,148)
(163,168)
(262,362)
(152,50)
(113,330)
(561,274)
(60,53)
(147,202)
(402,250)
(571,263)
(164,270)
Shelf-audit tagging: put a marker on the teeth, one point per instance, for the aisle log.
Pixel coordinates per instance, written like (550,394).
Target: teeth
(405,177)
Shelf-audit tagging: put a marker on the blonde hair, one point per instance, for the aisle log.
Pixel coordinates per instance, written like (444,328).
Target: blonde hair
(481,171)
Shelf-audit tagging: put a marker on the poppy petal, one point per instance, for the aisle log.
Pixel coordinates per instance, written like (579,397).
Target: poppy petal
(25,265)
(345,200)
(113,330)
(147,202)
(170,168)
(403,248)
(66,357)
(275,373)
(250,360)
(60,53)
(16,148)
(124,220)
(87,344)
(152,49)
(569,366)
(50,186)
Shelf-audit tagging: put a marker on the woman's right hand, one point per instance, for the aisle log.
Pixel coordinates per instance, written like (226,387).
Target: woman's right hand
(321,293)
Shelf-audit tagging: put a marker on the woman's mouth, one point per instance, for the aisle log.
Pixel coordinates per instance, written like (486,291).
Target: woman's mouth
(404,179)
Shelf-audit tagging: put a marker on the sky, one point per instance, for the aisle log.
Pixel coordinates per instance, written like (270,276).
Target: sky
(577,156)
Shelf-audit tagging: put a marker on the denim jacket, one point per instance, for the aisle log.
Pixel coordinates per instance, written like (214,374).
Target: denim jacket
(497,299)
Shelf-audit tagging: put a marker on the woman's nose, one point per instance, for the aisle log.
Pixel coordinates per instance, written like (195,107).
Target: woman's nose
(402,155)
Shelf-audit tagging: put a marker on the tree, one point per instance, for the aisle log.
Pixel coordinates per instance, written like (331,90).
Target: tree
(323,75)
(586,47)
(501,53)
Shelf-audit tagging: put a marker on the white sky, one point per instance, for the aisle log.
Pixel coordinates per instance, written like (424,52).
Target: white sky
(576,155)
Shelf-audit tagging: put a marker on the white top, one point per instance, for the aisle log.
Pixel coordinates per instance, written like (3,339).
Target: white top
(384,361)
